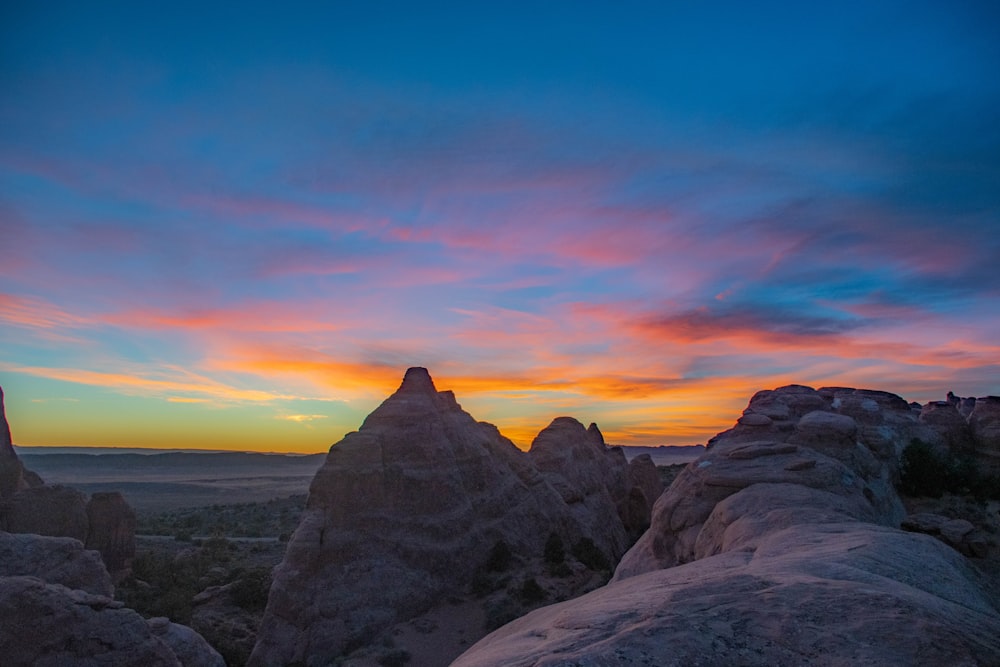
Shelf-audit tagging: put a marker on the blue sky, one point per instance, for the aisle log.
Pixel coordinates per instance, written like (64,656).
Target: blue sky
(237,225)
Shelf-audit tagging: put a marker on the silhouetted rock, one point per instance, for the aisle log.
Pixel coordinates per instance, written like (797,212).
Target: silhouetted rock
(56,608)
(190,648)
(111,530)
(48,510)
(105,523)
(57,560)
(218,618)
(577,463)
(985,424)
(778,546)
(416,506)
(13,476)
(957,533)
(944,418)
(644,487)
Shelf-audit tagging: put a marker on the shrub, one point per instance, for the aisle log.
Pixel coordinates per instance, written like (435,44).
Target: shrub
(923,471)
(587,553)
(500,557)
(250,590)
(554,551)
(531,592)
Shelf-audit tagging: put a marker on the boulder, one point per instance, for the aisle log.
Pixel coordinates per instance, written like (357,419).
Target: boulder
(188,646)
(48,510)
(13,476)
(418,505)
(49,625)
(984,420)
(111,530)
(27,505)
(944,418)
(779,546)
(809,594)
(57,560)
(56,608)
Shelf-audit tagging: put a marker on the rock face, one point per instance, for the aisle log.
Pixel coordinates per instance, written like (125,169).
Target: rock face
(984,420)
(56,609)
(111,529)
(779,546)
(27,505)
(410,508)
(945,419)
(57,560)
(13,476)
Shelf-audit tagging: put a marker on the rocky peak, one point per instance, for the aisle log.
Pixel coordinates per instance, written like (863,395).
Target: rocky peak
(410,510)
(6,444)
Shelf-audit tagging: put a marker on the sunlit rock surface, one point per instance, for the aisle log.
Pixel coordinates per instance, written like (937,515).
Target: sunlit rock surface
(407,511)
(779,546)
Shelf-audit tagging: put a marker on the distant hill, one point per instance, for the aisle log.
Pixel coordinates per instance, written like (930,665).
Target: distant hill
(666,455)
(154,480)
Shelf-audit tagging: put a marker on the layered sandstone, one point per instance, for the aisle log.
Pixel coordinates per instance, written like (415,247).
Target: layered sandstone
(780,545)
(419,504)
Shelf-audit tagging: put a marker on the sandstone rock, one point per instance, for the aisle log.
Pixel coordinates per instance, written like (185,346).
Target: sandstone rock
(644,487)
(105,523)
(57,560)
(13,476)
(49,625)
(956,533)
(188,646)
(407,511)
(111,530)
(827,594)
(574,460)
(985,424)
(48,510)
(221,621)
(944,418)
(778,546)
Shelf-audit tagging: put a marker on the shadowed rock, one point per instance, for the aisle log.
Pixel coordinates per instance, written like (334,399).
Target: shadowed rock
(944,418)
(27,505)
(111,530)
(984,420)
(56,608)
(779,546)
(407,511)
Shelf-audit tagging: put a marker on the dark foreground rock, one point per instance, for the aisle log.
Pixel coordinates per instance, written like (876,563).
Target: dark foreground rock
(105,522)
(779,546)
(424,504)
(56,608)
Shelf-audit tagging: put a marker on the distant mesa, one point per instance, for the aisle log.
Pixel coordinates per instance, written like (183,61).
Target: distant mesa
(423,504)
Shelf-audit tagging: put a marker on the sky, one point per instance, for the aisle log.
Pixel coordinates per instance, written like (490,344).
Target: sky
(235,225)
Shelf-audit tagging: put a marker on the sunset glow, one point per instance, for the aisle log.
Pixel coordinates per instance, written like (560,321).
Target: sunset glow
(237,230)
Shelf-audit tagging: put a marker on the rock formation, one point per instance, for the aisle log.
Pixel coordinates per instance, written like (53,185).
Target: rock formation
(945,419)
(111,529)
(779,546)
(409,510)
(984,421)
(56,609)
(105,522)
(13,476)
